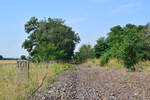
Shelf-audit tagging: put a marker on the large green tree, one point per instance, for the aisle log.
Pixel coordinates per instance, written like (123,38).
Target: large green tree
(49,39)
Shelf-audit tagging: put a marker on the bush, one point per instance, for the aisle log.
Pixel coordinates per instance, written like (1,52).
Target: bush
(104,59)
(23,57)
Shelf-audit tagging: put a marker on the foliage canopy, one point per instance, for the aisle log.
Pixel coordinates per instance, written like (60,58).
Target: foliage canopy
(49,39)
(130,44)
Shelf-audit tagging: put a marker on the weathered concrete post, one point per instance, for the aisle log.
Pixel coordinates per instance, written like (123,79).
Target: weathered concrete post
(22,70)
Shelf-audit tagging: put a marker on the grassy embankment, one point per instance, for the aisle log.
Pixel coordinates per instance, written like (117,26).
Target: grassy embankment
(11,90)
(114,64)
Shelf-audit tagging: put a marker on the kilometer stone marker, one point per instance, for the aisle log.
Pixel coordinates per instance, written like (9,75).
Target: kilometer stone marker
(22,70)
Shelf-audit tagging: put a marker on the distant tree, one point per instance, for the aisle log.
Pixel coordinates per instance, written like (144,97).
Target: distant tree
(49,39)
(1,57)
(23,57)
(101,47)
(85,52)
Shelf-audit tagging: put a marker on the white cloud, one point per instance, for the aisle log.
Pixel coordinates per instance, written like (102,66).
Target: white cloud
(126,8)
(75,20)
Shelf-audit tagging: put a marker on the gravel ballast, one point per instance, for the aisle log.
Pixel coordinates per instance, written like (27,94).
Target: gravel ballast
(97,83)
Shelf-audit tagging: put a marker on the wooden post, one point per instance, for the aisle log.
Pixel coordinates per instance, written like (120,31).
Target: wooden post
(22,70)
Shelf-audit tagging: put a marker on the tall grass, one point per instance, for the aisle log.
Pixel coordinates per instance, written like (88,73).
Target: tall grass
(10,89)
(95,62)
(115,64)
(112,64)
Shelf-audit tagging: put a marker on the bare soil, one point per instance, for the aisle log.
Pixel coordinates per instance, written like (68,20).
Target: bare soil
(97,83)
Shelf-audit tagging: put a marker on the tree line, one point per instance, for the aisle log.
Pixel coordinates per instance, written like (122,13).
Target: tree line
(4,58)
(51,39)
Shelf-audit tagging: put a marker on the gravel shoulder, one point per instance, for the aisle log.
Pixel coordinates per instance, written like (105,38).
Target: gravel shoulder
(97,83)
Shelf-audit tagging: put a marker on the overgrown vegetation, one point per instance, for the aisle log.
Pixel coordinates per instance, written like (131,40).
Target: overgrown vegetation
(51,39)
(130,44)
(10,88)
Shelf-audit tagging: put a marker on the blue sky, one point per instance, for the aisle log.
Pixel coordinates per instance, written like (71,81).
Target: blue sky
(90,18)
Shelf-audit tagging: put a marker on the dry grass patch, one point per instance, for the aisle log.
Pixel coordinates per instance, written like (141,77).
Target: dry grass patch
(10,89)
(112,64)
(143,66)
(95,62)
(115,64)
(7,61)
